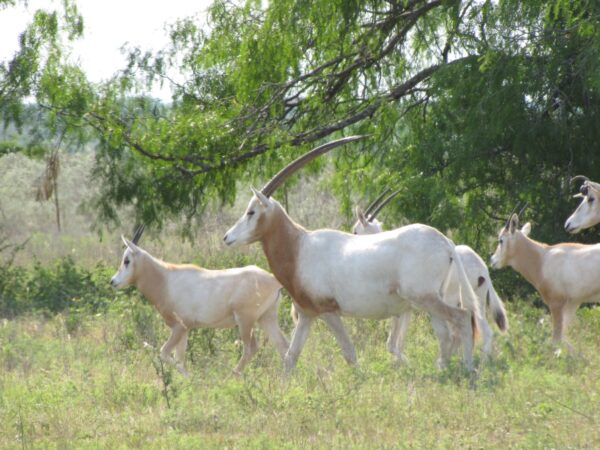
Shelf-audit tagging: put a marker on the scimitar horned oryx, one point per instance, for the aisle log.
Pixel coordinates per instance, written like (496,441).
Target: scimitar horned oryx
(479,279)
(188,297)
(330,273)
(565,275)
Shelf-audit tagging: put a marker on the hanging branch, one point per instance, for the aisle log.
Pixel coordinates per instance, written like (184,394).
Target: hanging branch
(47,182)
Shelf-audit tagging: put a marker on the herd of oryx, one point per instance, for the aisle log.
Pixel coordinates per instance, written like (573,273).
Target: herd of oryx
(368,273)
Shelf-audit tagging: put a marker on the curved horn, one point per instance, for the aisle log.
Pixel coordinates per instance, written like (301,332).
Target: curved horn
(579,178)
(375,202)
(138,234)
(292,167)
(523,208)
(586,182)
(382,204)
(510,215)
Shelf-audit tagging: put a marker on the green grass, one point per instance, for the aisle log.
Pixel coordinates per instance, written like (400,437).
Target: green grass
(92,384)
(83,379)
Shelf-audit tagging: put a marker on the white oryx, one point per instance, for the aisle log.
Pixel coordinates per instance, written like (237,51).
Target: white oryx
(587,213)
(330,273)
(188,296)
(479,279)
(564,274)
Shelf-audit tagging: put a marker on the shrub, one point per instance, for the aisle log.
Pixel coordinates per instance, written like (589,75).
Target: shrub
(53,289)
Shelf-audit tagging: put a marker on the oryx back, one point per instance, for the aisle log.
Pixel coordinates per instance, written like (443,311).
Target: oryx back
(374,275)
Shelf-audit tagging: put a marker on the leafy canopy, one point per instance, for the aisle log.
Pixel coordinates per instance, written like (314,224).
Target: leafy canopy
(473,106)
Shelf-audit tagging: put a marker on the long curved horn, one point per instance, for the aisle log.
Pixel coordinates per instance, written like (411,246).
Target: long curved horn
(523,208)
(375,202)
(382,204)
(137,234)
(586,182)
(292,167)
(510,215)
(579,178)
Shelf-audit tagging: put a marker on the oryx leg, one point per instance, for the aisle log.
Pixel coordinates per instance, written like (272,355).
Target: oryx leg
(562,316)
(569,312)
(180,348)
(556,312)
(250,346)
(268,322)
(335,324)
(445,341)
(457,317)
(487,335)
(397,337)
(298,339)
(178,332)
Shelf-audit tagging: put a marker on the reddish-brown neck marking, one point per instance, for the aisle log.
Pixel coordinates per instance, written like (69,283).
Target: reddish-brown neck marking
(281,240)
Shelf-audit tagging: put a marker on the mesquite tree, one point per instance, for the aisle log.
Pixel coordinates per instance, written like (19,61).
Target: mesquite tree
(473,106)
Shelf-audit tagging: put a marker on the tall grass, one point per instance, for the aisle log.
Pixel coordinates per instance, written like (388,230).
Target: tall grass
(95,385)
(87,243)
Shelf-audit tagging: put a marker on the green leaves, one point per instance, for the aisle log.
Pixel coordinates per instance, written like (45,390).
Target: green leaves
(472,105)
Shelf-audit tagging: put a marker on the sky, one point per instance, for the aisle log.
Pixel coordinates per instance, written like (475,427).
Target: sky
(108,25)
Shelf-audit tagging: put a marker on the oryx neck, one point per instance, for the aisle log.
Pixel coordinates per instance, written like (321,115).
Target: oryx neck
(151,275)
(527,259)
(281,244)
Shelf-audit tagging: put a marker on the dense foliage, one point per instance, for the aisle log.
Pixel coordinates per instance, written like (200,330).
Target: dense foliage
(55,289)
(473,106)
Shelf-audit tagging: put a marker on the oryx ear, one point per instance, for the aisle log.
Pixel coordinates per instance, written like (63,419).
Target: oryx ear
(262,198)
(526,229)
(579,195)
(514,223)
(130,245)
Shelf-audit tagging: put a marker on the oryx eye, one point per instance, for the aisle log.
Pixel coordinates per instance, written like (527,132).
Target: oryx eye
(590,199)
(126,262)
(501,241)
(250,213)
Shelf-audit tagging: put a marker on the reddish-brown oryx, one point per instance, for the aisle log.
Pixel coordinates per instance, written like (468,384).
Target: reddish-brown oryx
(564,274)
(188,296)
(330,273)
(479,279)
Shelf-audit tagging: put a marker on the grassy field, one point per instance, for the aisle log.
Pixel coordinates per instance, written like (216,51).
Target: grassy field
(74,371)
(91,383)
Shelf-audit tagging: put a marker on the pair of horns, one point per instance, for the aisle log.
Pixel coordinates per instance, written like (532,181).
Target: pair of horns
(377,204)
(292,167)
(586,183)
(137,234)
(513,211)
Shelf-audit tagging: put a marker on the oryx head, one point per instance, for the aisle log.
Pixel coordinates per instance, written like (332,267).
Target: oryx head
(507,238)
(257,218)
(366,222)
(587,213)
(126,273)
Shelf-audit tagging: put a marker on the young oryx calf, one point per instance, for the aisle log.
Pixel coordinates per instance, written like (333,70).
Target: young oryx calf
(479,279)
(190,297)
(565,275)
(587,213)
(330,273)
